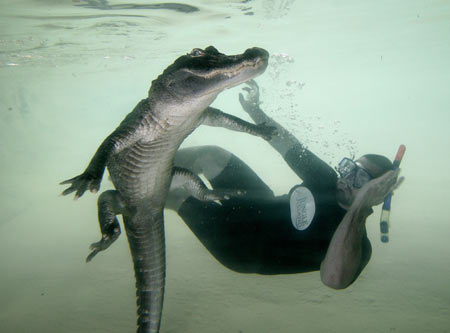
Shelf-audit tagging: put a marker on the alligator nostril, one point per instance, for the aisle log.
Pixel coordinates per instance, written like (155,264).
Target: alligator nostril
(257,52)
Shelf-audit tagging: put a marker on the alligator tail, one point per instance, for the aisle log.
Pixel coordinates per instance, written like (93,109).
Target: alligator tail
(147,246)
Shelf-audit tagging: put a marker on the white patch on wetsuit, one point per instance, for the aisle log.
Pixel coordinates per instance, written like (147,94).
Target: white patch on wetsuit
(303,207)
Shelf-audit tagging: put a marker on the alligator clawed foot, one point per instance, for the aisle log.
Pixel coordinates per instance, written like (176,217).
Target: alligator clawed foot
(81,183)
(103,244)
(267,131)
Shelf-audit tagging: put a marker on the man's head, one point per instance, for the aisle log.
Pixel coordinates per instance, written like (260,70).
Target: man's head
(355,174)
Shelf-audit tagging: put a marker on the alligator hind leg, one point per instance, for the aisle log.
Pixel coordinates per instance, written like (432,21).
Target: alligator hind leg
(109,205)
(185,183)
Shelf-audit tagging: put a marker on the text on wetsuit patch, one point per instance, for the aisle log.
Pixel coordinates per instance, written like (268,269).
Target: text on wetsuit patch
(302,206)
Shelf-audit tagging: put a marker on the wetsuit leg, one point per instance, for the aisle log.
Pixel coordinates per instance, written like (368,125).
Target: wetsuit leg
(230,234)
(238,175)
(230,230)
(223,170)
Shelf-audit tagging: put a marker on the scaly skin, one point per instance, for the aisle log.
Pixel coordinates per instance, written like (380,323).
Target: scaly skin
(139,156)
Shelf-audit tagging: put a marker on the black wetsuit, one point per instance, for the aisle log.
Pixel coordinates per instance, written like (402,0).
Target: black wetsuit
(254,234)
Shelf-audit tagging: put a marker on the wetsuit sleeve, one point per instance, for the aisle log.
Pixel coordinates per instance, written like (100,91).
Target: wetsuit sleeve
(303,162)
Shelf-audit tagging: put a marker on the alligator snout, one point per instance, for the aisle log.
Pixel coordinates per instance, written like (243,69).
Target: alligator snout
(256,52)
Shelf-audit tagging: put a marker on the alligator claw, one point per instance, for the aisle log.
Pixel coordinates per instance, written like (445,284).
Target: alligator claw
(92,255)
(228,194)
(219,195)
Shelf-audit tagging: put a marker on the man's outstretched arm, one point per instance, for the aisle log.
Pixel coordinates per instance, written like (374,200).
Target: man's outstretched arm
(303,162)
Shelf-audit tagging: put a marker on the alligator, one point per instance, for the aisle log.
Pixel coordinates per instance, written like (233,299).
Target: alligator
(139,156)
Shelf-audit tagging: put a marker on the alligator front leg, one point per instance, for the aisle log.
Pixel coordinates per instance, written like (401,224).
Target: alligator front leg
(91,178)
(215,117)
(109,204)
(145,233)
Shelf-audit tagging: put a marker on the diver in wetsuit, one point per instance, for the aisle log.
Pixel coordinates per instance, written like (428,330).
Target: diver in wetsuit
(319,225)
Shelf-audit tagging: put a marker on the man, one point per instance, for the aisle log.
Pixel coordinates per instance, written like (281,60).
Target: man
(320,224)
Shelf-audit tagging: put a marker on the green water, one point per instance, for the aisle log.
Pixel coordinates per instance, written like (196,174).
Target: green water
(347,77)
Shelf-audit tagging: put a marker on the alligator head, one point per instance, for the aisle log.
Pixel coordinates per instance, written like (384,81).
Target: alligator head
(202,74)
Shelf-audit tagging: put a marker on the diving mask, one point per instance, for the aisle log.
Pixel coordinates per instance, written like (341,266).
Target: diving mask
(353,173)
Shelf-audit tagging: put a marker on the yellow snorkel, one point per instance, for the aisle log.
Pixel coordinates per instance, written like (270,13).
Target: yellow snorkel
(386,210)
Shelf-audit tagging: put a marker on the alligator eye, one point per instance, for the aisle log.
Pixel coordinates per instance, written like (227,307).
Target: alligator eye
(197,52)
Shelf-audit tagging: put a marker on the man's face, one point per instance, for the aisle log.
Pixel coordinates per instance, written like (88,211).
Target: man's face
(350,182)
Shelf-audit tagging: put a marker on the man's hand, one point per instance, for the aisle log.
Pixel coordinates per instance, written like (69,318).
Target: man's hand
(375,191)
(252,99)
